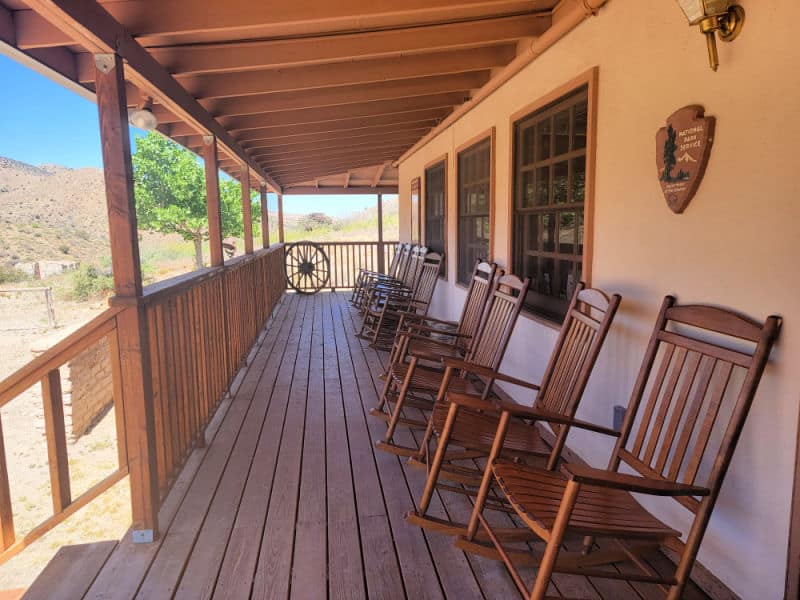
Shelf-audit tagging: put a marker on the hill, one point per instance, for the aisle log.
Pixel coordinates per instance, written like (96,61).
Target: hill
(51,212)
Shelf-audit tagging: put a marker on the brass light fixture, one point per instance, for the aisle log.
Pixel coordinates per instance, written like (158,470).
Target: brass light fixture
(722,16)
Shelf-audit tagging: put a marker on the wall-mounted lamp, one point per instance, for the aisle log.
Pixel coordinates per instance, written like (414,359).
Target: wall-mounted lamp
(714,16)
(143,117)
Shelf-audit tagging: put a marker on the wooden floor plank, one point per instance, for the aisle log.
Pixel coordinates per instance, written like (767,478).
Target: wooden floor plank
(273,570)
(241,555)
(70,573)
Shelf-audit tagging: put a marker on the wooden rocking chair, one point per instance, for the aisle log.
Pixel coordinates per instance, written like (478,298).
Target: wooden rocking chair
(365,274)
(438,338)
(367,280)
(694,395)
(472,422)
(388,307)
(416,386)
(406,281)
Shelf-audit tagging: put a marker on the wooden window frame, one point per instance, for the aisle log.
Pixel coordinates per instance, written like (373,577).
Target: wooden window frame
(416,186)
(443,159)
(474,141)
(590,79)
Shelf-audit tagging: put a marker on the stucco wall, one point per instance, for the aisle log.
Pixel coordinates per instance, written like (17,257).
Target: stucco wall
(736,244)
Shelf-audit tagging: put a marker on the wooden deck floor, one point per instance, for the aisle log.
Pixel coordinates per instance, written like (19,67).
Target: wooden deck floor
(290,499)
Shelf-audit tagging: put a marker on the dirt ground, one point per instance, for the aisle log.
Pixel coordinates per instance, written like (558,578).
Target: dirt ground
(23,329)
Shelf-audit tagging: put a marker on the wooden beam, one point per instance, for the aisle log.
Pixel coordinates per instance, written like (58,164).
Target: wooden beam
(7,533)
(349,94)
(134,350)
(247,210)
(264,218)
(307,190)
(211,160)
(342,154)
(374,70)
(347,180)
(89,24)
(184,20)
(381,258)
(280,152)
(325,169)
(280,147)
(280,218)
(378,174)
(282,53)
(32,31)
(56,435)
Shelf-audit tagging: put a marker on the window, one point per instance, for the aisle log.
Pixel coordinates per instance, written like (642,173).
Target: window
(549,194)
(415,237)
(436,209)
(474,206)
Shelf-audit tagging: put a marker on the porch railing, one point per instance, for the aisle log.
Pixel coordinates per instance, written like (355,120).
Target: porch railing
(200,327)
(347,258)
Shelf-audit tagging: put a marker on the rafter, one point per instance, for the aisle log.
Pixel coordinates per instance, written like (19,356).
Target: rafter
(326,168)
(245,83)
(380,141)
(379,173)
(349,94)
(342,153)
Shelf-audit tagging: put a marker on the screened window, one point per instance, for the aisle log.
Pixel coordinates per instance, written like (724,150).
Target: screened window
(436,209)
(549,193)
(474,205)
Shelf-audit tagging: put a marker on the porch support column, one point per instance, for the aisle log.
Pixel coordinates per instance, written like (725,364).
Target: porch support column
(212,201)
(247,212)
(134,350)
(264,217)
(280,218)
(381,257)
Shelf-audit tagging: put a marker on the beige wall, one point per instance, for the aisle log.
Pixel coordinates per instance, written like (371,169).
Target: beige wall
(736,245)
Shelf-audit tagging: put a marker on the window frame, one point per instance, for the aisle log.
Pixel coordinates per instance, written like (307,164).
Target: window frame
(443,161)
(416,210)
(588,79)
(470,144)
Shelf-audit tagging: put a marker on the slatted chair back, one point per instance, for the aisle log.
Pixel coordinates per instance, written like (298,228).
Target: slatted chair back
(394,264)
(402,262)
(498,320)
(414,267)
(480,287)
(690,401)
(583,331)
(426,283)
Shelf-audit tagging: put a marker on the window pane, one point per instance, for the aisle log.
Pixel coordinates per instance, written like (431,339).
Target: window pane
(473,207)
(542,186)
(547,267)
(548,230)
(543,140)
(580,233)
(532,235)
(579,126)
(560,179)
(561,126)
(578,192)
(527,145)
(566,232)
(528,190)
(566,280)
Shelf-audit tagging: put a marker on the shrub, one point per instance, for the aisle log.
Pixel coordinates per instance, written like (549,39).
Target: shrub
(89,281)
(9,274)
(64,249)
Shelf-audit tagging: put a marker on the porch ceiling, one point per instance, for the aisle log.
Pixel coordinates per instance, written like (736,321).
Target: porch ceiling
(299,90)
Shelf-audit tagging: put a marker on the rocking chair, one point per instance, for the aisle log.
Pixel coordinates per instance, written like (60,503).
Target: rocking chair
(697,387)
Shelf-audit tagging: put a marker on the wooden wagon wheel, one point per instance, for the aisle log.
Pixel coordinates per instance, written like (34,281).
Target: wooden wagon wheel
(307,267)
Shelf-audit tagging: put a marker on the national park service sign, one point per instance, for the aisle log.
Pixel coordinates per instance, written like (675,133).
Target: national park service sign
(682,151)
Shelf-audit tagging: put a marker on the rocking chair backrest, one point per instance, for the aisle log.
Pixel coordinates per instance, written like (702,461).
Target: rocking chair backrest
(583,332)
(478,293)
(497,323)
(698,379)
(426,283)
(403,262)
(395,262)
(414,268)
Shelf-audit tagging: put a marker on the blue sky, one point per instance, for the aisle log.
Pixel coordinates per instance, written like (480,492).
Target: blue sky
(43,122)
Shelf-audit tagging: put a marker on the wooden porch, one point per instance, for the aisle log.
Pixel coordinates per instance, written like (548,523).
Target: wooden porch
(288,498)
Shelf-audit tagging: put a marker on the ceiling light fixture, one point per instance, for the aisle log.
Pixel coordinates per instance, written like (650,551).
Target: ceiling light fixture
(143,117)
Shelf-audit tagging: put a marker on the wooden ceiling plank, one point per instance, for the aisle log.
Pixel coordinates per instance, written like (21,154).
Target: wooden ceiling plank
(272,54)
(346,152)
(223,85)
(325,168)
(348,141)
(435,103)
(308,190)
(87,22)
(351,94)
(176,19)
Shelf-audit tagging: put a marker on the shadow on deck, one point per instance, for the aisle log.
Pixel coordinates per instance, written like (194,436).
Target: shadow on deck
(289,498)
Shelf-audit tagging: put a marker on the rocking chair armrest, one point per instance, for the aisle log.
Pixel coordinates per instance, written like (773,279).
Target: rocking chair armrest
(419,327)
(435,320)
(472,401)
(423,338)
(488,373)
(631,483)
(530,412)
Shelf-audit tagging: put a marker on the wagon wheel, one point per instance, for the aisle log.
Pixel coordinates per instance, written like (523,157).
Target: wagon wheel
(307,267)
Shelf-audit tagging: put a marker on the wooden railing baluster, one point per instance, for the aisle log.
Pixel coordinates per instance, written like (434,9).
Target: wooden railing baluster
(7,534)
(56,436)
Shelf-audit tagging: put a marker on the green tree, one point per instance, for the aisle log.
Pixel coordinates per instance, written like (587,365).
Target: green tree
(170,193)
(670,146)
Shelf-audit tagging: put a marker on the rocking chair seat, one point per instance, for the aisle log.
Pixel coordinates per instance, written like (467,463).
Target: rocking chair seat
(536,495)
(429,380)
(476,431)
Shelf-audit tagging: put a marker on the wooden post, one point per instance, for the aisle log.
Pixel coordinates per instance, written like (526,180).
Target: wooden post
(381,257)
(7,535)
(280,218)
(134,349)
(247,212)
(56,441)
(264,217)
(212,201)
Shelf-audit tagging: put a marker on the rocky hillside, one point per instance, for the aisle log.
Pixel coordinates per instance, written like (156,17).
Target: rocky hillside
(51,212)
